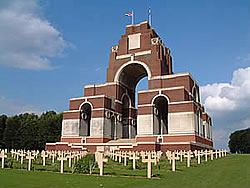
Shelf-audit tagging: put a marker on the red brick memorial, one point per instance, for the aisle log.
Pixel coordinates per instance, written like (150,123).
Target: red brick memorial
(169,115)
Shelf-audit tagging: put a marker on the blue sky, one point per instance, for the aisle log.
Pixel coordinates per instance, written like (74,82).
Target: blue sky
(50,49)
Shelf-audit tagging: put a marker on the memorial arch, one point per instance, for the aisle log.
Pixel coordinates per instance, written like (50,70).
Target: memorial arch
(167,112)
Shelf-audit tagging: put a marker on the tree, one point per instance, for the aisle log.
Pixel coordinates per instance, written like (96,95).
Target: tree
(2,127)
(28,131)
(50,125)
(11,136)
(240,141)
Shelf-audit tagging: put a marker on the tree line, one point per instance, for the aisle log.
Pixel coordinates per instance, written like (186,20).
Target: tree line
(29,131)
(240,141)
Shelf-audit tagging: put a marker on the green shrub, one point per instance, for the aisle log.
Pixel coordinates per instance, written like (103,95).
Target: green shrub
(86,165)
(10,163)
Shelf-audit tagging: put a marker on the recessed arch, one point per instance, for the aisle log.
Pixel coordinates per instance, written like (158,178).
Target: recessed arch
(159,96)
(85,103)
(160,114)
(126,95)
(85,118)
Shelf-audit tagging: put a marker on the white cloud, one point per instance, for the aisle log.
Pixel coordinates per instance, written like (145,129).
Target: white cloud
(27,40)
(10,107)
(229,105)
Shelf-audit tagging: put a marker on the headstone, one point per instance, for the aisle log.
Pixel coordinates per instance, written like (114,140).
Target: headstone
(188,155)
(149,160)
(219,153)
(53,155)
(119,154)
(134,157)
(100,160)
(22,155)
(62,159)
(142,153)
(206,153)
(44,155)
(199,154)
(173,158)
(30,158)
(3,156)
(125,156)
(70,156)
(211,154)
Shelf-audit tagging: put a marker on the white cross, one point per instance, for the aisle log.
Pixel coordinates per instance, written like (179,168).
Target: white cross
(173,157)
(206,153)
(44,155)
(62,159)
(134,157)
(199,154)
(219,153)
(100,160)
(211,154)
(22,154)
(149,160)
(119,154)
(70,156)
(3,156)
(225,152)
(30,158)
(188,155)
(216,154)
(168,155)
(125,156)
(53,155)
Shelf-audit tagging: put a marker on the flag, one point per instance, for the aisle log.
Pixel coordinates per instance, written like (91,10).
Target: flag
(129,14)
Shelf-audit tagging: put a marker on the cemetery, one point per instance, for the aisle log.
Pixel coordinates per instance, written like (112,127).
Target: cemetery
(109,162)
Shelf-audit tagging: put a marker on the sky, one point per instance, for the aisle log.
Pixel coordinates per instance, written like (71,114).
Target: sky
(50,49)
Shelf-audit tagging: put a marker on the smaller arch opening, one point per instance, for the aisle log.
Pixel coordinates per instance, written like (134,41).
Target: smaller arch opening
(125,116)
(160,111)
(85,119)
(113,127)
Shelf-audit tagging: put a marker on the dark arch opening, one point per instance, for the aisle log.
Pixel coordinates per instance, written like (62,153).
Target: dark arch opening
(85,118)
(129,77)
(132,74)
(113,127)
(160,111)
(125,117)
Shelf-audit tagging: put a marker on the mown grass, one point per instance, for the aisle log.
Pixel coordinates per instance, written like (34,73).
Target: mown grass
(231,171)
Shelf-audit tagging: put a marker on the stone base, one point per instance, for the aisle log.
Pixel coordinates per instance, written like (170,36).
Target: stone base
(139,144)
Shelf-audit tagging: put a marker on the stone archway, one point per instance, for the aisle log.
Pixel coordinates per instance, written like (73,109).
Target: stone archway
(85,119)
(128,76)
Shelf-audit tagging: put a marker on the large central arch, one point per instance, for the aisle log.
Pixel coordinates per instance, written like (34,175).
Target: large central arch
(128,75)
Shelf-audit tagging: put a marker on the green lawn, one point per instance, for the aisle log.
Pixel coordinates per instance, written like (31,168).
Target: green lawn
(231,171)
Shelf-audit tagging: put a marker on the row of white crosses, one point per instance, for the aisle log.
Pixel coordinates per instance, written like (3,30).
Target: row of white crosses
(148,157)
(32,155)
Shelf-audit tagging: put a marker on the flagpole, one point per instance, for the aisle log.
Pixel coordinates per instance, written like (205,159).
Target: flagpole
(132,17)
(149,12)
